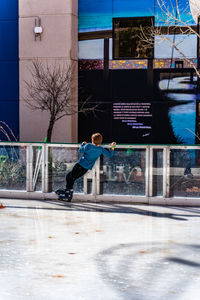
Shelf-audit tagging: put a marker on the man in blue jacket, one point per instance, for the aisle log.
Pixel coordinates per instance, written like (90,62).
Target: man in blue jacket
(90,153)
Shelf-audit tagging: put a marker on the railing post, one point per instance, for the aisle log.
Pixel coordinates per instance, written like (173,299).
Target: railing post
(94,181)
(166,171)
(98,176)
(147,173)
(29,168)
(45,169)
(85,184)
(150,171)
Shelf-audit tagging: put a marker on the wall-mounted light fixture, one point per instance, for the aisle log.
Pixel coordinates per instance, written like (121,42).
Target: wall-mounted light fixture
(38,30)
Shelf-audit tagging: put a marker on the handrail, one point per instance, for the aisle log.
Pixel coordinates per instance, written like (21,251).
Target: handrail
(144,174)
(120,145)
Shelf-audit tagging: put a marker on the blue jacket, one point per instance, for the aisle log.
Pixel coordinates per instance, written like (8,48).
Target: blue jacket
(91,153)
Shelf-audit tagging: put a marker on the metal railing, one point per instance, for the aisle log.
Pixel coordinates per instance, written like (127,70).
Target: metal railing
(154,174)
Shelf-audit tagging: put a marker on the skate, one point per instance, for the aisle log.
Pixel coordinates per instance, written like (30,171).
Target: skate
(64,194)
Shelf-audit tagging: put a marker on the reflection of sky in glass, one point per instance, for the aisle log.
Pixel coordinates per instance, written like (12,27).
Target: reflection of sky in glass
(98,14)
(186,44)
(182,117)
(93,49)
(94,7)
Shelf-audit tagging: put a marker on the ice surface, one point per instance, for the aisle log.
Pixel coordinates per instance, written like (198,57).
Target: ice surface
(89,251)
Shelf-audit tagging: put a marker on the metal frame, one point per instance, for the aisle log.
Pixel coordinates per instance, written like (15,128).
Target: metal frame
(29,168)
(94,175)
(166,171)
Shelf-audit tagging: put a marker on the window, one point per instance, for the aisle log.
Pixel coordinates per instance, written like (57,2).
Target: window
(127,41)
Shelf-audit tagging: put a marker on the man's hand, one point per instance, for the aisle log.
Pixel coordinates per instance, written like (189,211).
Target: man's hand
(113,145)
(84,143)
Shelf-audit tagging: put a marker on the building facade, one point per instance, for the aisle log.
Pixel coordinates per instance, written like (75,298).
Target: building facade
(145,83)
(57,44)
(144,95)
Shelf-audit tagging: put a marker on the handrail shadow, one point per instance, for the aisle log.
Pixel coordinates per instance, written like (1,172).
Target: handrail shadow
(109,208)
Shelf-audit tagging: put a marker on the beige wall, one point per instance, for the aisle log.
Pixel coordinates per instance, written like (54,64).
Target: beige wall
(59,44)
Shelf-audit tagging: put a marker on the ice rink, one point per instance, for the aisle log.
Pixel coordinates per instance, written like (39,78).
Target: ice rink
(90,251)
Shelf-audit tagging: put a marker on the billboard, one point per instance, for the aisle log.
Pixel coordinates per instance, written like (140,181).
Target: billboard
(145,94)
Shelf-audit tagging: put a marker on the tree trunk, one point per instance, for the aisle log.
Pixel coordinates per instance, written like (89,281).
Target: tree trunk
(50,130)
(50,169)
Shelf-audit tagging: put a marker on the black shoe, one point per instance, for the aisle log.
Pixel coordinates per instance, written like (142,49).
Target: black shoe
(69,194)
(62,194)
(59,191)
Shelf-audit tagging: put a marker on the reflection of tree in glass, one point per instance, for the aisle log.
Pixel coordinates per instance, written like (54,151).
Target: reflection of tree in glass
(12,162)
(13,171)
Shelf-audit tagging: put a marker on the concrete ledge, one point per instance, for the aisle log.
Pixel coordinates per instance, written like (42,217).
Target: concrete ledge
(177,201)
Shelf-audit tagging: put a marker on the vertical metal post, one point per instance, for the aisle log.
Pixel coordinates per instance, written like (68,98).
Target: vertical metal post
(94,181)
(29,168)
(150,172)
(85,189)
(166,172)
(147,173)
(97,177)
(45,169)
(106,57)
(90,175)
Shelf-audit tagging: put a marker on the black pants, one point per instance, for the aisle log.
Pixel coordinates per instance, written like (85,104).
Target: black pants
(74,174)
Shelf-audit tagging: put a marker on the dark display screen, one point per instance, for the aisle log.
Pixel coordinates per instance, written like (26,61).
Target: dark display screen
(136,115)
(127,39)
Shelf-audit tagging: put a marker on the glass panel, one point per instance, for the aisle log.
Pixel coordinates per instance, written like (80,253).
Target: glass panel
(93,49)
(61,161)
(123,174)
(126,38)
(187,44)
(99,8)
(157,172)
(12,168)
(94,24)
(166,13)
(130,8)
(185,173)
(94,15)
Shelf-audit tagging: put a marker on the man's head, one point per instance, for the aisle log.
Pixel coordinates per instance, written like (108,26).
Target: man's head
(97,139)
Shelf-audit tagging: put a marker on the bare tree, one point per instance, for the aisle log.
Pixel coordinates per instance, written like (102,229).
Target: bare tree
(173,22)
(51,89)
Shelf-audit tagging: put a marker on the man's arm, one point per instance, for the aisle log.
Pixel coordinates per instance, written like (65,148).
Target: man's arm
(82,147)
(109,153)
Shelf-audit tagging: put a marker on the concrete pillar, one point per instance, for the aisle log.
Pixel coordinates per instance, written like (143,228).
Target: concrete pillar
(59,43)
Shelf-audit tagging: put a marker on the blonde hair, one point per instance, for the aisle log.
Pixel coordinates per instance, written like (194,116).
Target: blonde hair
(97,138)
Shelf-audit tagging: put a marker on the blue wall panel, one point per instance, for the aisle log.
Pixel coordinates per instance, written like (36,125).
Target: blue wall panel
(9,40)
(9,66)
(9,112)
(9,81)
(8,9)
